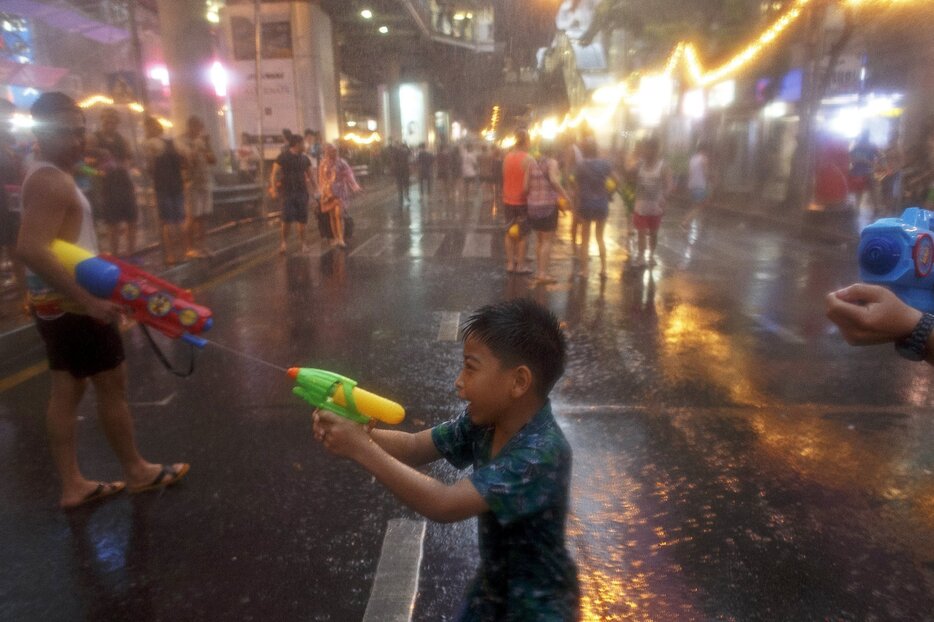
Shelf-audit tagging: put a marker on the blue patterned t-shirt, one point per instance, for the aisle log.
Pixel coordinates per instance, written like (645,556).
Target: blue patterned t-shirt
(526,572)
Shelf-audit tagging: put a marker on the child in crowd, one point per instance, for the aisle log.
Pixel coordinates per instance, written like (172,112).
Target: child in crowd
(514,353)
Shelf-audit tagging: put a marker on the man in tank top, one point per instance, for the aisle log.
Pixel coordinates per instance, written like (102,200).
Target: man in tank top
(79,330)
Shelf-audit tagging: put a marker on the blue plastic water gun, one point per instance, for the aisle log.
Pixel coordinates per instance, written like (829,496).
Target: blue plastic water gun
(898,253)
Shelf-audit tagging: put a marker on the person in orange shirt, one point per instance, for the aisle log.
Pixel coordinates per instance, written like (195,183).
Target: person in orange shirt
(515,203)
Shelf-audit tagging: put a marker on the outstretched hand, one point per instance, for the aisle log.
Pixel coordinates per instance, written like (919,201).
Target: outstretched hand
(340,436)
(870,314)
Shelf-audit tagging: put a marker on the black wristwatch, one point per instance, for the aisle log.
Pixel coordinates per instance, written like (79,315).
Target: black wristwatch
(914,347)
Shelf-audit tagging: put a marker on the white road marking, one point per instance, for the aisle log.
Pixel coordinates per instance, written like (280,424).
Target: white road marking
(426,245)
(161,403)
(450,322)
(478,245)
(375,246)
(785,334)
(395,586)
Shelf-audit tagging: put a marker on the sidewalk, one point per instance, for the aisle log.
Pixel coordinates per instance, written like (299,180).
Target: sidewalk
(231,241)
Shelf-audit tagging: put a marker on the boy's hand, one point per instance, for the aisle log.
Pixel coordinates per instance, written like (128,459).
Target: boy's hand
(870,314)
(340,436)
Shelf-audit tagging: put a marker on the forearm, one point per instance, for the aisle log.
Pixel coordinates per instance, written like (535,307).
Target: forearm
(412,449)
(421,493)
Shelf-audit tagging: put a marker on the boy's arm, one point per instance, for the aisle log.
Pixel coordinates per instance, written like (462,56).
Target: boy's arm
(413,449)
(429,497)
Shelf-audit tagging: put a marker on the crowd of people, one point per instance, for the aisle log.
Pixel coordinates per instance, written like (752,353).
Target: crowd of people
(513,351)
(110,173)
(313,178)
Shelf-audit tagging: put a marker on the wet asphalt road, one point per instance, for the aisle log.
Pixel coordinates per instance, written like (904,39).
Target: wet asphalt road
(734,459)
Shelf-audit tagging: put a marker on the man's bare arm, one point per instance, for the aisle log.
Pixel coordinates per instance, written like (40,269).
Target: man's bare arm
(47,197)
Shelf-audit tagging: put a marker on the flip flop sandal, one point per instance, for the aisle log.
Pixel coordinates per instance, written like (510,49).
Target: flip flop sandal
(166,477)
(102,491)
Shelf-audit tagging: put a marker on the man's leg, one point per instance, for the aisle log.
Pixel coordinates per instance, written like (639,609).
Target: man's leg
(168,251)
(337,226)
(510,246)
(601,244)
(284,235)
(653,242)
(584,247)
(301,236)
(60,422)
(522,246)
(114,413)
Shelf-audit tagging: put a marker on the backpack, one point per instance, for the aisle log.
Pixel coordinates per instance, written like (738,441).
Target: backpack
(542,198)
(167,170)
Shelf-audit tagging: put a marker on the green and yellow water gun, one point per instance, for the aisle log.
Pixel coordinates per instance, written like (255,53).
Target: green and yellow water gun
(341,396)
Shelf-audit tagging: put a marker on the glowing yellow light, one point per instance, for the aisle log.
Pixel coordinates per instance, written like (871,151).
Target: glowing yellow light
(135,107)
(165,122)
(360,140)
(687,53)
(93,100)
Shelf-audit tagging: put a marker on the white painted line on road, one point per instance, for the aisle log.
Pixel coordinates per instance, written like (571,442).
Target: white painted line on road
(426,245)
(375,246)
(392,598)
(161,403)
(785,334)
(19,329)
(478,245)
(450,323)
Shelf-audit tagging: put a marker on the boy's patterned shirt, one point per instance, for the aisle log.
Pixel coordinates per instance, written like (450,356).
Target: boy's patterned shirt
(526,572)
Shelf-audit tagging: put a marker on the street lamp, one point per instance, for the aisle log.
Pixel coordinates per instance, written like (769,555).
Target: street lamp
(383,30)
(366,14)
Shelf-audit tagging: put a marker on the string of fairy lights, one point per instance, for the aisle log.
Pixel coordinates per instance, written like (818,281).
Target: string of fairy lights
(605,100)
(95,100)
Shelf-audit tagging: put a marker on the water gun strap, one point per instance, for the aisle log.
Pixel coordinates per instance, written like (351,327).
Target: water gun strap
(165,361)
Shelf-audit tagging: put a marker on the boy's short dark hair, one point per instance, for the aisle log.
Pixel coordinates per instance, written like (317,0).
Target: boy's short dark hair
(521,332)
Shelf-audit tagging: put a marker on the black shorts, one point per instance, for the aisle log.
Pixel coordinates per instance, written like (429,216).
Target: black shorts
(546,224)
(81,345)
(517,214)
(295,208)
(171,208)
(118,197)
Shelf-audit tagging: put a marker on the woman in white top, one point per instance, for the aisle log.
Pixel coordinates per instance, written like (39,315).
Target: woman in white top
(468,169)
(653,185)
(698,183)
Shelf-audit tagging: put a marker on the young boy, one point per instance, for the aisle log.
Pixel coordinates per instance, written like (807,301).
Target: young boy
(514,352)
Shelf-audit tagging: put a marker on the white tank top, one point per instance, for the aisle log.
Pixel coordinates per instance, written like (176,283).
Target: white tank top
(87,237)
(47,303)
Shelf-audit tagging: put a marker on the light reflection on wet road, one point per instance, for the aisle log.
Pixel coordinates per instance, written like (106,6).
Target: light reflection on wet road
(734,459)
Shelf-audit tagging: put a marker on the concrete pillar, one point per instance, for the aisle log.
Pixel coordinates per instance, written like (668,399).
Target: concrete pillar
(316,75)
(186,40)
(394,112)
